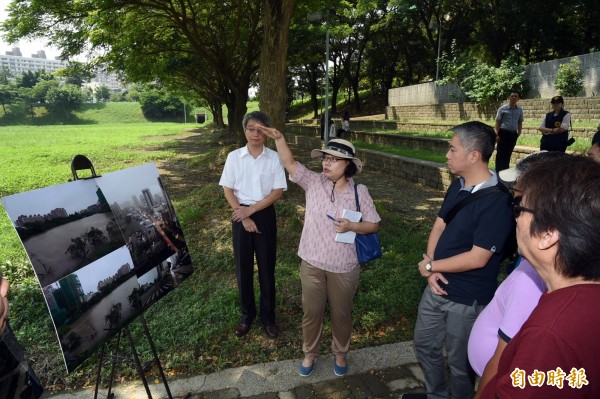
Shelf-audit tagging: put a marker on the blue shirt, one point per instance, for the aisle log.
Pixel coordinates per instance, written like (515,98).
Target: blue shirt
(510,118)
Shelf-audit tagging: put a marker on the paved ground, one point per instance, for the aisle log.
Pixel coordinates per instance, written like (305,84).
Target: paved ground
(385,371)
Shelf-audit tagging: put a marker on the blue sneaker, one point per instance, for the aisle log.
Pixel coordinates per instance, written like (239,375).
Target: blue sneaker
(306,371)
(339,370)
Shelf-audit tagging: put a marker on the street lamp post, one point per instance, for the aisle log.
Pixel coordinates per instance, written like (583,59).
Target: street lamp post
(437,68)
(438,25)
(316,16)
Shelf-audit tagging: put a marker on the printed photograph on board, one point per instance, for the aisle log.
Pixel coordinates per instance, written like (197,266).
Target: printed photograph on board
(160,280)
(63,228)
(103,250)
(92,304)
(147,218)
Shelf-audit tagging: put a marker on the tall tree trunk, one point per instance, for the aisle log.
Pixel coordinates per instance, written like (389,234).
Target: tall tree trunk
(217,110)
(277,15)
(236,109)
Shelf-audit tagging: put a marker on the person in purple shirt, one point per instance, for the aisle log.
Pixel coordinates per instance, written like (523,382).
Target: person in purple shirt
(514,299)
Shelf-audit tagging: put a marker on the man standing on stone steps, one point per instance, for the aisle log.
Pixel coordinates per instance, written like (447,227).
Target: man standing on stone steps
(509,123)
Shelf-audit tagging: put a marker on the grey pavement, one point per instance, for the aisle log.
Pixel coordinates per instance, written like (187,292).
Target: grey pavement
(376,372)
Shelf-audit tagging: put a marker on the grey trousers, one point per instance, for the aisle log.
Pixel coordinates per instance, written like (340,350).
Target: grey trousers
(442,321)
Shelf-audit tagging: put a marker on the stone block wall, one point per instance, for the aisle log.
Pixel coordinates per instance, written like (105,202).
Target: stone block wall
(433,174)
(358,132)
(582,109)
(447,111)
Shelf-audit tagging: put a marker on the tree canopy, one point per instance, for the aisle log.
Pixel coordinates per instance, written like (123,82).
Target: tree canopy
(213,51)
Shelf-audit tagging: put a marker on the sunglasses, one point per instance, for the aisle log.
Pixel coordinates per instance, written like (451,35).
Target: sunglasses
(517,208)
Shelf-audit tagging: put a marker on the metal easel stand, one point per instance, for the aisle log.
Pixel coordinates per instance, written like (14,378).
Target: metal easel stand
(81,162)
(116,358)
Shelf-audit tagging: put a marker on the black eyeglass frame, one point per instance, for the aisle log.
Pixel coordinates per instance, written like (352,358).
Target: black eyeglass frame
(517,208)
(330,158)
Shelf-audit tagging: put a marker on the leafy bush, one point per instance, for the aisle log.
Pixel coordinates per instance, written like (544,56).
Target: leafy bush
(569,79)
(63,100)
(480,82)
(488,84)
(158,104)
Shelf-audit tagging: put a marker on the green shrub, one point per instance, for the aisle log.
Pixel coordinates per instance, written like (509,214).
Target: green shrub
(480,82)
(569,79)
(488,84)
(64,100)
(158,104)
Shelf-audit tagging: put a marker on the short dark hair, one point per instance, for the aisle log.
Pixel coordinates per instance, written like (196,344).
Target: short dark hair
(516,92)
(557,100)
(476,136)
(564,194)
(596,138)
(541,156)
(350,170)
(257,116)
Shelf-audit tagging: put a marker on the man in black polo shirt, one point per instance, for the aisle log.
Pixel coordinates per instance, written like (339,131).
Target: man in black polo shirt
(509,123)
(461,263)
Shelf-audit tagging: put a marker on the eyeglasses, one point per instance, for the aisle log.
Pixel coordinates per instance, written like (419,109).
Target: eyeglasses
(252,129)
(329,159)
(517,208)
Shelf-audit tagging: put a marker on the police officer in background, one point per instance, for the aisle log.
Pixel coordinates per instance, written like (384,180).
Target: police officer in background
(555,127)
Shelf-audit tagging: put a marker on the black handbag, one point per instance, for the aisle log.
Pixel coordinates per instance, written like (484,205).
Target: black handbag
(368,246)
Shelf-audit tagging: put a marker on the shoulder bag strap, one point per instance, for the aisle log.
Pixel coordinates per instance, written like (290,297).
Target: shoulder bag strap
(471,198)
(356,197)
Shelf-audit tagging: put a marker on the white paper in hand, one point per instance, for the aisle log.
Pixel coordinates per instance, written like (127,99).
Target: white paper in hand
(348,237)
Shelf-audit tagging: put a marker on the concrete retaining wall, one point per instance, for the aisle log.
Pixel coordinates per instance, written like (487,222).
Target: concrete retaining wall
(425,94)
(541,77)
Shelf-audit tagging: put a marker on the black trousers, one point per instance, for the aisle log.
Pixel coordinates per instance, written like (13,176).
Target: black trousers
(506,145)
(264,245)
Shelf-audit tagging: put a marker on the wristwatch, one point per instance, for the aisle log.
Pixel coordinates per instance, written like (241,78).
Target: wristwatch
(428,266)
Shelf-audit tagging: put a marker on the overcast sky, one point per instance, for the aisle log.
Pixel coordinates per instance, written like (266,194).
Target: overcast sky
(119,186)
(27,47)
(73,196)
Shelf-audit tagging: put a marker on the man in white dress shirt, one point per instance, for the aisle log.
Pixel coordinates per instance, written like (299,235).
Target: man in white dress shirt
(253,179)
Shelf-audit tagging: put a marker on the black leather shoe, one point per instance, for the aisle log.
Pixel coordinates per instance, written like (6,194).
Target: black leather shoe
(272,331)
(242,329)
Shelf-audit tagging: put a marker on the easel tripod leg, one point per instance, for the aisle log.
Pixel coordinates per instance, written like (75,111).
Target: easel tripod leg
(137,362)
(160,369)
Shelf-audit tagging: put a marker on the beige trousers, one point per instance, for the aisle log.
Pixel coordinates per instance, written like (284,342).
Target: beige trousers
(318,288)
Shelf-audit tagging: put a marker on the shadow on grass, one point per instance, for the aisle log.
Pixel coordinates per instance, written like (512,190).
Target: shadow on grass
(43,120)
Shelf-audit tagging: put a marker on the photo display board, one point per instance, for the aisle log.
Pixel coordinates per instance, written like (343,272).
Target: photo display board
(103,249)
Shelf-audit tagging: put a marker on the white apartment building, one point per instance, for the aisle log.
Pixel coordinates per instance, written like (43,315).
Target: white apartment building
(17,64)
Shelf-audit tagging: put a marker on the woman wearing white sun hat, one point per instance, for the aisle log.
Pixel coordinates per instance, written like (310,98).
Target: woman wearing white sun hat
(329,270)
